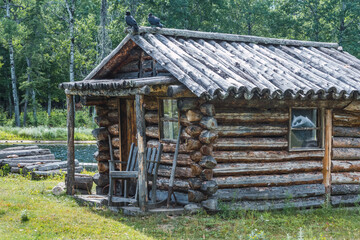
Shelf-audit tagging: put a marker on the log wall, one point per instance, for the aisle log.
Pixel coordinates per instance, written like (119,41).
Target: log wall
(345,168)
(255,169)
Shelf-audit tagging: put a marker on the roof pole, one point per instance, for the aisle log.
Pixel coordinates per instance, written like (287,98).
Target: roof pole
(141,139)
(70,177)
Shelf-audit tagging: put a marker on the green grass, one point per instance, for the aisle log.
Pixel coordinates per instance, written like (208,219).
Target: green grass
(50,217)
(43,133)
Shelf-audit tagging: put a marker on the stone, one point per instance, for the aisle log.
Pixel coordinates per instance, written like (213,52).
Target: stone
(192,208)
(59,189)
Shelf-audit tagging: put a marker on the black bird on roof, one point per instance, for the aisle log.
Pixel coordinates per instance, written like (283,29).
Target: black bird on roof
(131,22)
(154,21)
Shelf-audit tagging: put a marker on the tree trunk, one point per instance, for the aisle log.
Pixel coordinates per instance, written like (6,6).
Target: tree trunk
(104,38)
(49,102)
(13,84)
(12,70)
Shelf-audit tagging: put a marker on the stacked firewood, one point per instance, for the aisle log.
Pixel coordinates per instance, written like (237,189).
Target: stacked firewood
(33,160)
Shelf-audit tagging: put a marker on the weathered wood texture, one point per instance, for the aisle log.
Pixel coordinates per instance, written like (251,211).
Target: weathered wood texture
(346,142)
(264,156)
(250,143)
(344,189)
(70,178)
(252,130)
(309,202)
(345,178)
(268,193)
(232,169)
(251,117)
(268,180)
(345,200)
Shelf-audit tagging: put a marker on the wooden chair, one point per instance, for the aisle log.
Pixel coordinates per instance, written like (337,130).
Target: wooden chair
(152,162)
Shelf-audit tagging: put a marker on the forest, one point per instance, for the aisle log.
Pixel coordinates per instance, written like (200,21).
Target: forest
(46,42)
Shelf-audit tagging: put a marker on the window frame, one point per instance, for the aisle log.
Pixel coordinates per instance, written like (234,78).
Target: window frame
(320,128)
(162,119)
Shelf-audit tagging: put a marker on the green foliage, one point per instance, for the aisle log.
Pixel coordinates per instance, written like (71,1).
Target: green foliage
(5,170)
(24,216)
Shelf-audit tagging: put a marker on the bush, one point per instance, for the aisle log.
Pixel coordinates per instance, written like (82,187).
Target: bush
(56,119)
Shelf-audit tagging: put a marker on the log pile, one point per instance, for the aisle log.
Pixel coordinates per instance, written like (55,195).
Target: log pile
(17,158)
(345,167)
(34,161)
(254,168)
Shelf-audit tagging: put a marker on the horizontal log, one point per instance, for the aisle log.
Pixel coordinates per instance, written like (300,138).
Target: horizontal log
(182,159)
(100,133)
(151,103)
(265,156)
(345,200)
(102,156)
(345,178)
(179,184)
(207,109)
(152,117)
(251,117)
(194,115)
(102,110)
(346,131)
(346,153)
(270,193)
(114,129)
(184,121)
(103,167)
(266,168)
(102,121)
(346,142)
(193,130)
(101,179)
(113,116)
(345,165)
(11,149)
(269,180)
(15,170)
(181,198)
(152,131)
(345,189)
(83,181)
(187,104)
(168,147)
(250,143)
(47,166)
(180,172)
(103,145)
(16,163)
(25,152)
(252,130)
(265,205)
(196,196)
(35,175)
(346,119)
(31,158)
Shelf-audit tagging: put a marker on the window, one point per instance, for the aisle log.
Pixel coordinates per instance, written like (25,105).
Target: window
(305,129)
(169,119)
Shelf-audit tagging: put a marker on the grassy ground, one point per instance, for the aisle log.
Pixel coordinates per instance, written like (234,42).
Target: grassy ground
(51,217)
(43,133)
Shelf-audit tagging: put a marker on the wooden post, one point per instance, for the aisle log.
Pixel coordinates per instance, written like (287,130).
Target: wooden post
(120,142)
(327,156)
(141,139)
(70,177)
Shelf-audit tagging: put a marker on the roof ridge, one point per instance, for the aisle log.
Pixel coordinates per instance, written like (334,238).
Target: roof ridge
(232,37)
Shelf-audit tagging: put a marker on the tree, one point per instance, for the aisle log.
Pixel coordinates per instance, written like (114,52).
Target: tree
(10,26)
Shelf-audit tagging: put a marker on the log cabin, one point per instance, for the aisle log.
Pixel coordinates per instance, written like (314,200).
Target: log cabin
(267,123)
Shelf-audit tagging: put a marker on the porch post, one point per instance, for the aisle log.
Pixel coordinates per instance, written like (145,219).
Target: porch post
(328,148)
(141,139)
(70,177)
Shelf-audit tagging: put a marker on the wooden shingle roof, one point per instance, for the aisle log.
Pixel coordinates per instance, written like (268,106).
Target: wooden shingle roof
(218,65)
